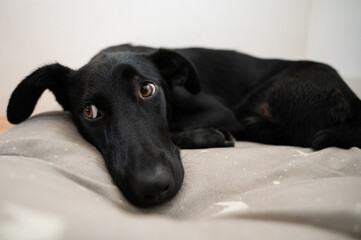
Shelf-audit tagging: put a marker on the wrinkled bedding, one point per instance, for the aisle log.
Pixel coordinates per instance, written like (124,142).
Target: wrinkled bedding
(54,185)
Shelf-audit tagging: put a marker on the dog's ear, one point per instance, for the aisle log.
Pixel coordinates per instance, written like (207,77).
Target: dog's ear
(177,70)
(54,77)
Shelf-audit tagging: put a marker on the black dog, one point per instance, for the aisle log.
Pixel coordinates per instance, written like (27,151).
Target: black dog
(137,104)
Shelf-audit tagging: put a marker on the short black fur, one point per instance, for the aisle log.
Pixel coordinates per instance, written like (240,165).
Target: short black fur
(203,98)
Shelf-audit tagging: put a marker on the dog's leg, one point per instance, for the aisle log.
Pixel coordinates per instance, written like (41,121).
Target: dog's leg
(203,138)
(255,117)
(344,136)
(310,107)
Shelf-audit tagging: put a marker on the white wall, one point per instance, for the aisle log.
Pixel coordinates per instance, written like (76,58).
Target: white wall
(334,36)
(37,32)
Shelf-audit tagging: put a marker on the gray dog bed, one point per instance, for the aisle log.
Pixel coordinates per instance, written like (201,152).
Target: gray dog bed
(54,185)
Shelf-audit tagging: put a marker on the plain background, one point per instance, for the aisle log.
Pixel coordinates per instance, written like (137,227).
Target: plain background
(38,32)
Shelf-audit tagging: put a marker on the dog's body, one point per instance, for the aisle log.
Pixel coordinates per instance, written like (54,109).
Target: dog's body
(298,103)
(135,104)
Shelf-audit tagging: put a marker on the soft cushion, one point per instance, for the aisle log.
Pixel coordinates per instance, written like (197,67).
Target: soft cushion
(54,185)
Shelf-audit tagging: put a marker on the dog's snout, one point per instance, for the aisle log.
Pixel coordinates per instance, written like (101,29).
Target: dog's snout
(153,187)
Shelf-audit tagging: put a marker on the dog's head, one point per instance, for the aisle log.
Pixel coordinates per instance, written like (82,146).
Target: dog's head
(119,104)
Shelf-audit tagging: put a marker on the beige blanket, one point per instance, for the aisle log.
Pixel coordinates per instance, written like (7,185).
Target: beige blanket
(54,185)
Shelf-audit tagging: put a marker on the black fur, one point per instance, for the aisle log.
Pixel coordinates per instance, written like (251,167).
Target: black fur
(202,98)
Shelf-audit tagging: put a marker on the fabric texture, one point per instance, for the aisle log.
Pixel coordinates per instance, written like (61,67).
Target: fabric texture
(54,185)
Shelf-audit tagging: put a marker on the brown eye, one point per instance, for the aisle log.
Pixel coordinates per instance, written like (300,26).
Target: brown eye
(91,112)
(147,90)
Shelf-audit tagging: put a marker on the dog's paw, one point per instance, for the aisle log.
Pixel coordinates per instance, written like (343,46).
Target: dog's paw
(343,136)
(227,137)
(323,139)
(203,138)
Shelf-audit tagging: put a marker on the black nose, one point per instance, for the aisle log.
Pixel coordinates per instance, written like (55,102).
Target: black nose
(152,187)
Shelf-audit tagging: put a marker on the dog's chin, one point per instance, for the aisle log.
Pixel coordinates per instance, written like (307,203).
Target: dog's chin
(150,201)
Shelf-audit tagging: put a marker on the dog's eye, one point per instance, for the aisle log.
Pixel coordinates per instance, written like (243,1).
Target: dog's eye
(147,90)
(91,112)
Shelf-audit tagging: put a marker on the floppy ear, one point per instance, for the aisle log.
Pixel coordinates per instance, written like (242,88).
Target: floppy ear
(177,70)
(54,77)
